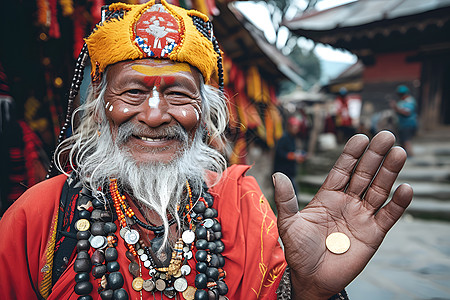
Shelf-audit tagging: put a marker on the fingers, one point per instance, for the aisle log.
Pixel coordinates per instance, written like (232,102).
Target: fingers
(339,176)
(391,212)
(379,190)
(285,198)
(370,163)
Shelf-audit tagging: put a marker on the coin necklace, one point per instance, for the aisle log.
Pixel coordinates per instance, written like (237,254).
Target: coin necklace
(203,233)
(96,229)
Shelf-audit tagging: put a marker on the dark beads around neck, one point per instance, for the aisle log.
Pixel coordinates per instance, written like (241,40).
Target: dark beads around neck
(113,266)
(107,294)
(82,265)
(98,257)
(120,294)
(209,246)
(84,276)
(201,280)
(111,254)
(115,280)
(201,295)
(83,288)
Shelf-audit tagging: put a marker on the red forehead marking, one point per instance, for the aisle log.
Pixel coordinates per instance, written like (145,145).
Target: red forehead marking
(152,81)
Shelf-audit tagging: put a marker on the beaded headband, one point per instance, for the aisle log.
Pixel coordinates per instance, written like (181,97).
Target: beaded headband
(154,29)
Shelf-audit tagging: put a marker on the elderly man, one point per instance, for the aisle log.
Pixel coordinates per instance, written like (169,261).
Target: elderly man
(149,210)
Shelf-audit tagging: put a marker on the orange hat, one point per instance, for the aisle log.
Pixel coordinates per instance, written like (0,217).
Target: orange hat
(155,30)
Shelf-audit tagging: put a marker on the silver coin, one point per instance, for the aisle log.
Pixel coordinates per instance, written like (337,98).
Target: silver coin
(160,285)
(132,237)
(180,284)
(98,241)
(208,223)
(148,285)
(188,236)
(123,231)
(140,252)
(185,270)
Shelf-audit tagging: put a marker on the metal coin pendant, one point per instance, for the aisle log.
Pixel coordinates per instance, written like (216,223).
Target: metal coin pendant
(189,293)
(82,225)
(132,237)
(180,284)
(148,285)
(160,285)
(98,241)
(188,236)
(185,270)
(137,284)
(123,231)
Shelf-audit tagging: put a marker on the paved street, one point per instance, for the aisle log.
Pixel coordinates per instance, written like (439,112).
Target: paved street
(412,263)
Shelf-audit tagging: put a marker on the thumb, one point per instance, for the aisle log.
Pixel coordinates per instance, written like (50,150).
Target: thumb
(285,198)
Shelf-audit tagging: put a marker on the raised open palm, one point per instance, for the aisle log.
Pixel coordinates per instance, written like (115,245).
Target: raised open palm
(350,201)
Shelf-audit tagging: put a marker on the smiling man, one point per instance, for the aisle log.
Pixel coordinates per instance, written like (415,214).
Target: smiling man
(149,209)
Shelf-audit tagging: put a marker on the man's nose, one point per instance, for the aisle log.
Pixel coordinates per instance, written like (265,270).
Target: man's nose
(154,112)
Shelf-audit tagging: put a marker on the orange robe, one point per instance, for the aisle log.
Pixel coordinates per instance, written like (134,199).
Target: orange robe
(254,260)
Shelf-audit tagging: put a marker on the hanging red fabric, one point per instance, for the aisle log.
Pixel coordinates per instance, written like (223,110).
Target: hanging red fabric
(54,31)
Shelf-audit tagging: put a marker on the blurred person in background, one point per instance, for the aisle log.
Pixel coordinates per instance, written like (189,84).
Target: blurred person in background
(344,125)
(287,157)
(405,108)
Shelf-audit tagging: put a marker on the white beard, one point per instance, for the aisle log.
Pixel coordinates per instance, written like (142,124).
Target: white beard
(156,186)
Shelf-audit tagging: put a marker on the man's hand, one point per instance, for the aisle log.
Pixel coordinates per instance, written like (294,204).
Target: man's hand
(350,201)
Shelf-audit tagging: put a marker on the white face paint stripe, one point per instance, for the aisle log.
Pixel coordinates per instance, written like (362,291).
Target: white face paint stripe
(125,110)
(183,112)
(153,101)
(107,104)
(111,108)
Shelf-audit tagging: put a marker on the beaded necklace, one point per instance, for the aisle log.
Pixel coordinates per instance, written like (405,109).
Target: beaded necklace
(166,269)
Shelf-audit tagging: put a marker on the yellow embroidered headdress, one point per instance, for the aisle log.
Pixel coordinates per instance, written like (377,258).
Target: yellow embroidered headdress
(154,29)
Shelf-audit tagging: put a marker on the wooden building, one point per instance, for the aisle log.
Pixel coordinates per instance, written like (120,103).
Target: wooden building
(399,42)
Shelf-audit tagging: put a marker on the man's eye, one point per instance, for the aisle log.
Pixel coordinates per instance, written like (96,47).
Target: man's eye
(134,92)
(178,94)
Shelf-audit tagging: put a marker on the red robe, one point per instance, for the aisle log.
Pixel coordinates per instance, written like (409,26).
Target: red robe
(254,260)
